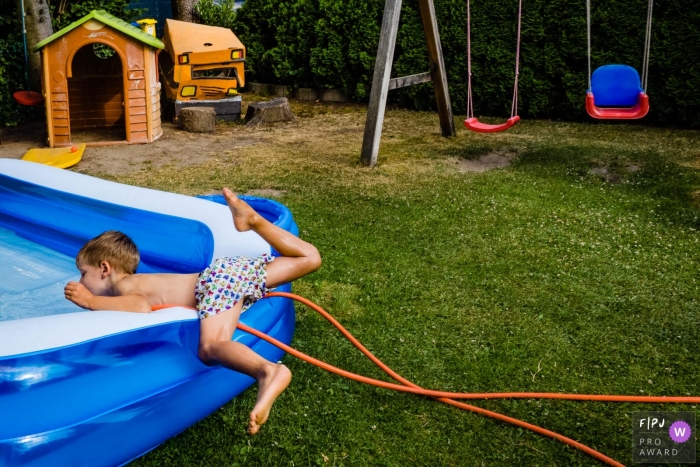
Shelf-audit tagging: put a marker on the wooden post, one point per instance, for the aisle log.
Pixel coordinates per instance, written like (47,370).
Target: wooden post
(380,82)
(437,67)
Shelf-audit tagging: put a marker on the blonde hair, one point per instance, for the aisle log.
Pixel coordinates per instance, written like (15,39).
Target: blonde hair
(112,246)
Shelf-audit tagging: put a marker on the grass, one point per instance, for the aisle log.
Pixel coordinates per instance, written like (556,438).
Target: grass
(537,277)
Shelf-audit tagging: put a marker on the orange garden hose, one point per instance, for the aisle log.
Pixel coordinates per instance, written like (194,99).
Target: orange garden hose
(448,397)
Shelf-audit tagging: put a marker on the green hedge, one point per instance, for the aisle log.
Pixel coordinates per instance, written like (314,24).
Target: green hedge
(332,43)
(11,66)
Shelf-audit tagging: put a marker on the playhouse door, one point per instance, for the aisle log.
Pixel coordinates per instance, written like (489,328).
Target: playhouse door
(96,95)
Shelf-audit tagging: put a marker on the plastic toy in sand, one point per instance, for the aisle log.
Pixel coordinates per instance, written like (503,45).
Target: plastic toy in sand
(61,158)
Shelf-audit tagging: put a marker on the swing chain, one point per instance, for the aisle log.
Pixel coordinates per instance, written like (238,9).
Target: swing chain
(647,44)
(647,48)
(24,42)
(470,105)
(514,106)
(588,29)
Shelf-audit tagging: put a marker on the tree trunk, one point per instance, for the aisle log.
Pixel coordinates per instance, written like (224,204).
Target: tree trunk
(38,25)
(183,10)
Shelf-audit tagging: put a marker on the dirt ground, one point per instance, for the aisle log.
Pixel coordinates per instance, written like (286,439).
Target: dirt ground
(486,162)
(175,147)
(328,124)
(334,130)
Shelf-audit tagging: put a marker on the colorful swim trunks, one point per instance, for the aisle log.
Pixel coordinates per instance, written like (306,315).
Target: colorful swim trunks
(229,280)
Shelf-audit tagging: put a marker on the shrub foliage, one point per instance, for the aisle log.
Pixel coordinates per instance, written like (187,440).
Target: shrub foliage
(12,76)
(220,14)
(332,43)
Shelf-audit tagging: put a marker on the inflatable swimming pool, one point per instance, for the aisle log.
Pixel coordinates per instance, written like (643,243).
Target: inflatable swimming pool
(102,388)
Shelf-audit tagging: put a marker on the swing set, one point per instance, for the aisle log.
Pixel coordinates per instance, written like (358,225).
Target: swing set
(615,92)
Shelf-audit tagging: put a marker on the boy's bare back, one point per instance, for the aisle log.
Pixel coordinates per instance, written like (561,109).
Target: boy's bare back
(160,289)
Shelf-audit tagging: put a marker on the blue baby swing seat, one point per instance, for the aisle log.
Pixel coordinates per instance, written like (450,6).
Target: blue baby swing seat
(615,86)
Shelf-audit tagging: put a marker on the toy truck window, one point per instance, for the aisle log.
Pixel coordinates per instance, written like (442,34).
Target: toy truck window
(218,73)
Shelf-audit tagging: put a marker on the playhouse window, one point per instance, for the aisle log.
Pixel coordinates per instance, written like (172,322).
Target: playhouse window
(102,51)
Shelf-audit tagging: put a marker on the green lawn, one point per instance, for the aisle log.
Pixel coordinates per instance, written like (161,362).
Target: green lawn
(537,277)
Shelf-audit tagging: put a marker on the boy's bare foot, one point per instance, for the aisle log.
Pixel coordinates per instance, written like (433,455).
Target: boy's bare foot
(244,217)
(269,389)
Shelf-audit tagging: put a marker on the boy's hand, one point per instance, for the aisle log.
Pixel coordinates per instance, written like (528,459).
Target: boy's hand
(78,294)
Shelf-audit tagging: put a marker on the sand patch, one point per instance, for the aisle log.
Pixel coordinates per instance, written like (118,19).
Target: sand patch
(606,174)
(611,176)
(695,195)
(490,161)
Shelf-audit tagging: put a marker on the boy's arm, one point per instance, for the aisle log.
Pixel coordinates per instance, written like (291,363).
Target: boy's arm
(129,298)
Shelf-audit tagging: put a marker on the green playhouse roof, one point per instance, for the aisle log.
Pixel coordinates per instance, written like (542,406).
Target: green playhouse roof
(110,20)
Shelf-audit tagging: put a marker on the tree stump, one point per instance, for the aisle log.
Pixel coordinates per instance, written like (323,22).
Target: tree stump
(198,119)
(276,110)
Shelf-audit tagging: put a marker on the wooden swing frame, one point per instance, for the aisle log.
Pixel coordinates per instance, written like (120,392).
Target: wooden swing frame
(382,82)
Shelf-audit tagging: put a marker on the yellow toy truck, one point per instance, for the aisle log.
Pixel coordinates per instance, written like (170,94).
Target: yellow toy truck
(201,66)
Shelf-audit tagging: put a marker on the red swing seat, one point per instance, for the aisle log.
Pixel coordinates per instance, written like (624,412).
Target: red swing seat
(475,125)
(28,98)
(639,110)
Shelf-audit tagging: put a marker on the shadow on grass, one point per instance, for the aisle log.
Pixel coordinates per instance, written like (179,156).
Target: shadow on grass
(646,174)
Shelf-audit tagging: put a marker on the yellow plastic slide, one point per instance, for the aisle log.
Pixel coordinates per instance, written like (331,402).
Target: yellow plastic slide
(56,157)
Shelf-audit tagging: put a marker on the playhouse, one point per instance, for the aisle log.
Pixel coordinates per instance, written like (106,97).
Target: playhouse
(100,74)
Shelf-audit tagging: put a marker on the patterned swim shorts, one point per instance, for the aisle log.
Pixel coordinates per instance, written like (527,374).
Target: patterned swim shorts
(229,280)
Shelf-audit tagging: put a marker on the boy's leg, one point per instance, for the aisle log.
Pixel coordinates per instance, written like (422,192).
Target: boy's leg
(216,347)
(299,258)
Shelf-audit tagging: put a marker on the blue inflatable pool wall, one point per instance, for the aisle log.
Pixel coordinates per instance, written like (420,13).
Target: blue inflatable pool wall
(109,399)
